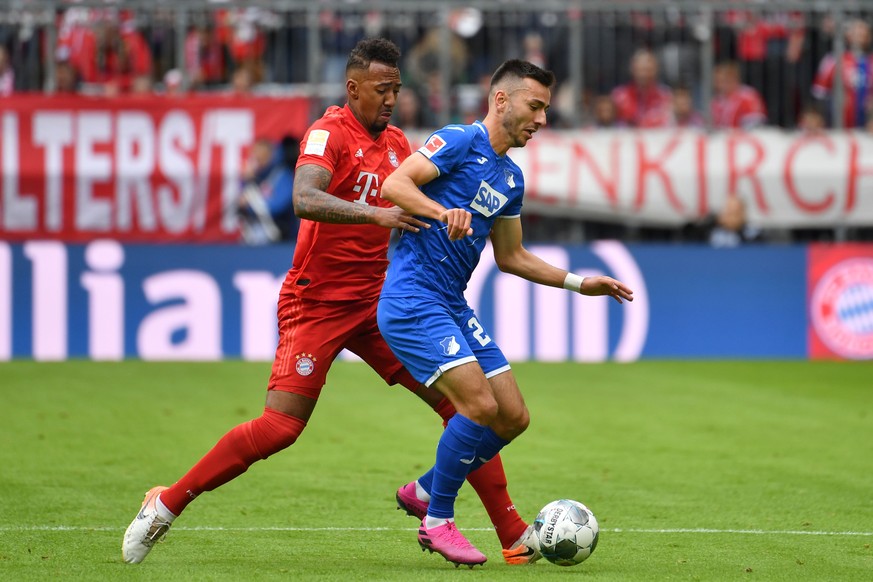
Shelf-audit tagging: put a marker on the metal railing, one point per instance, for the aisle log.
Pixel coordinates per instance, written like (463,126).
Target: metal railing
(451,47)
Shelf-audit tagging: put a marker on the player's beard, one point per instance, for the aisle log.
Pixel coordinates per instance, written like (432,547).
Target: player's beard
(514,128)
(516,133)
(378,126)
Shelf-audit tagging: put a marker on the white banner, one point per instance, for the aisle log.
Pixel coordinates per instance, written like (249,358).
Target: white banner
(670,177)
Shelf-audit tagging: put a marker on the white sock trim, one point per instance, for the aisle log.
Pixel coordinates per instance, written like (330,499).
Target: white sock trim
(420,493)
(432,522)
(163,511)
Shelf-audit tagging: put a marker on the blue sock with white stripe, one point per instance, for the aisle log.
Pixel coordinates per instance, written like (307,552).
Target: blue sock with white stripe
(455,453)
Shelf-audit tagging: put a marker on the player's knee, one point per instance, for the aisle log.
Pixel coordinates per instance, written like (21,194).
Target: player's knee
(483,410)
(274,431)
(523,420)
(511,424)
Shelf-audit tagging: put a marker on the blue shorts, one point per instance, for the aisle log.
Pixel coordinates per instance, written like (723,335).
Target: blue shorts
(429,338)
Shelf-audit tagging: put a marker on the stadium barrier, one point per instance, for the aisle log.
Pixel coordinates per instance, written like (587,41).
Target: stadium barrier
(110,301)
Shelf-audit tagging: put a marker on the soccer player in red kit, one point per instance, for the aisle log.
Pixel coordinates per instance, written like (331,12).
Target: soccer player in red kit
(328,301)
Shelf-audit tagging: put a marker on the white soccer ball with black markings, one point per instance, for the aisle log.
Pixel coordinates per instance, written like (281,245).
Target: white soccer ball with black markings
(566,531)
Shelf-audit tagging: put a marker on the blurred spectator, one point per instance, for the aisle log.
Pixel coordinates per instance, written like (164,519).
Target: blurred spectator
(643,102)
(605,113)
(408,109)
(769,47)
(74,26)
(857,72)
(66,79)
(240,30)
(112,56)
(174,83)
(425,74)
(726,229)
(7,75)
(204,58)
(683,112)
(812,120)
(735,105)
(142,85)
(265,205)
(534,51)
(242,81)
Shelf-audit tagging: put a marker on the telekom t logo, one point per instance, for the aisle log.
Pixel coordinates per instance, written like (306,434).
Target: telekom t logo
(368,185)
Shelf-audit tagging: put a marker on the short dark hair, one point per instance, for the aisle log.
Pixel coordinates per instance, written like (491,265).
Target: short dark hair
(379,50)
(522,70)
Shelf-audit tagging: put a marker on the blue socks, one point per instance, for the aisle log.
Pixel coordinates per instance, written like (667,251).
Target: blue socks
(463,447)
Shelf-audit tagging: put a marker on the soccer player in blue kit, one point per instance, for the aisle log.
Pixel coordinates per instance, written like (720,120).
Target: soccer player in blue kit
(464,185)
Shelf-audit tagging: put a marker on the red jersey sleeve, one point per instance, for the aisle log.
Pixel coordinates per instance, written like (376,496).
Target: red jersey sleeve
(317,146)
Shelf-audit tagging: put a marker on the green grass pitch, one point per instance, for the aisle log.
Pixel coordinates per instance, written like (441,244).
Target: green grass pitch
(695,470)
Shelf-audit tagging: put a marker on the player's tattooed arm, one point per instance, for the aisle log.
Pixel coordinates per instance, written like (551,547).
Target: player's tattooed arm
(311,200)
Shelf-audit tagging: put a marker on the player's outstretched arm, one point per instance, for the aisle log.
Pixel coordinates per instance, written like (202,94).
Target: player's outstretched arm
(402,188)
(312,201)
(512,257)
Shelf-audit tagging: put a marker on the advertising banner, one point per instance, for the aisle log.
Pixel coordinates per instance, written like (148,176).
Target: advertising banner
(144,169)
(165,169)
(109,301)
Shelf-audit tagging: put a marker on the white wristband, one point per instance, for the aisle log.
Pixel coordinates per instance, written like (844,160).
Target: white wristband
(573,282)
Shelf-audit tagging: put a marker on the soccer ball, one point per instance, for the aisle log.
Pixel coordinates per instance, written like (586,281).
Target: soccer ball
(566,531)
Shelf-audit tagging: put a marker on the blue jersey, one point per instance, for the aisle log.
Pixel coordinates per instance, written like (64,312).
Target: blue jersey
(473,177)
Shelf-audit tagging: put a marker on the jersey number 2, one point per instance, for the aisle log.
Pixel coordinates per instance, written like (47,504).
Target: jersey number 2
(479,332)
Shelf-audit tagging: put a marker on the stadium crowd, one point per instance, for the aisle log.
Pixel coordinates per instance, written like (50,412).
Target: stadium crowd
(639,68)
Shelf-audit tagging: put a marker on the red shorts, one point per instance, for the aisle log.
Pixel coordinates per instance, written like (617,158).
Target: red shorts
(312,334)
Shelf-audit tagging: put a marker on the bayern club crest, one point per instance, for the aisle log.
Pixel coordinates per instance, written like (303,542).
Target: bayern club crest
(392,157)
(842,309)
(305,364)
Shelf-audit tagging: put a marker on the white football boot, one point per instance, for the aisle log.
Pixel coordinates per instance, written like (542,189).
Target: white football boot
(147,528)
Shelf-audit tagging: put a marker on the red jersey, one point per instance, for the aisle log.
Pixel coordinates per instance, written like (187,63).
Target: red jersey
(743,108)
(643,107)
(345,261)
(857,85)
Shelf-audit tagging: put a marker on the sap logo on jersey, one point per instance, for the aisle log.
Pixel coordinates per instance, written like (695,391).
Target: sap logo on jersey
(488,200)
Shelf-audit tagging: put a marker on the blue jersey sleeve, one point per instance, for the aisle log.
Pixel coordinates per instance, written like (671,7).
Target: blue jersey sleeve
(447,147)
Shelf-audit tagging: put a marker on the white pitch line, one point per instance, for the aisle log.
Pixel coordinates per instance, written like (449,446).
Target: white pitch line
(758,532)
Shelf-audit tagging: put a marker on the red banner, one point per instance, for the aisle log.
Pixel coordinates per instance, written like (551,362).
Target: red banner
(151,169)
(841,301)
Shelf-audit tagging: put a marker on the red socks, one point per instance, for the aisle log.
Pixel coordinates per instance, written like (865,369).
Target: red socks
(445,410)
(232,455)
(274,431)
(489,482)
